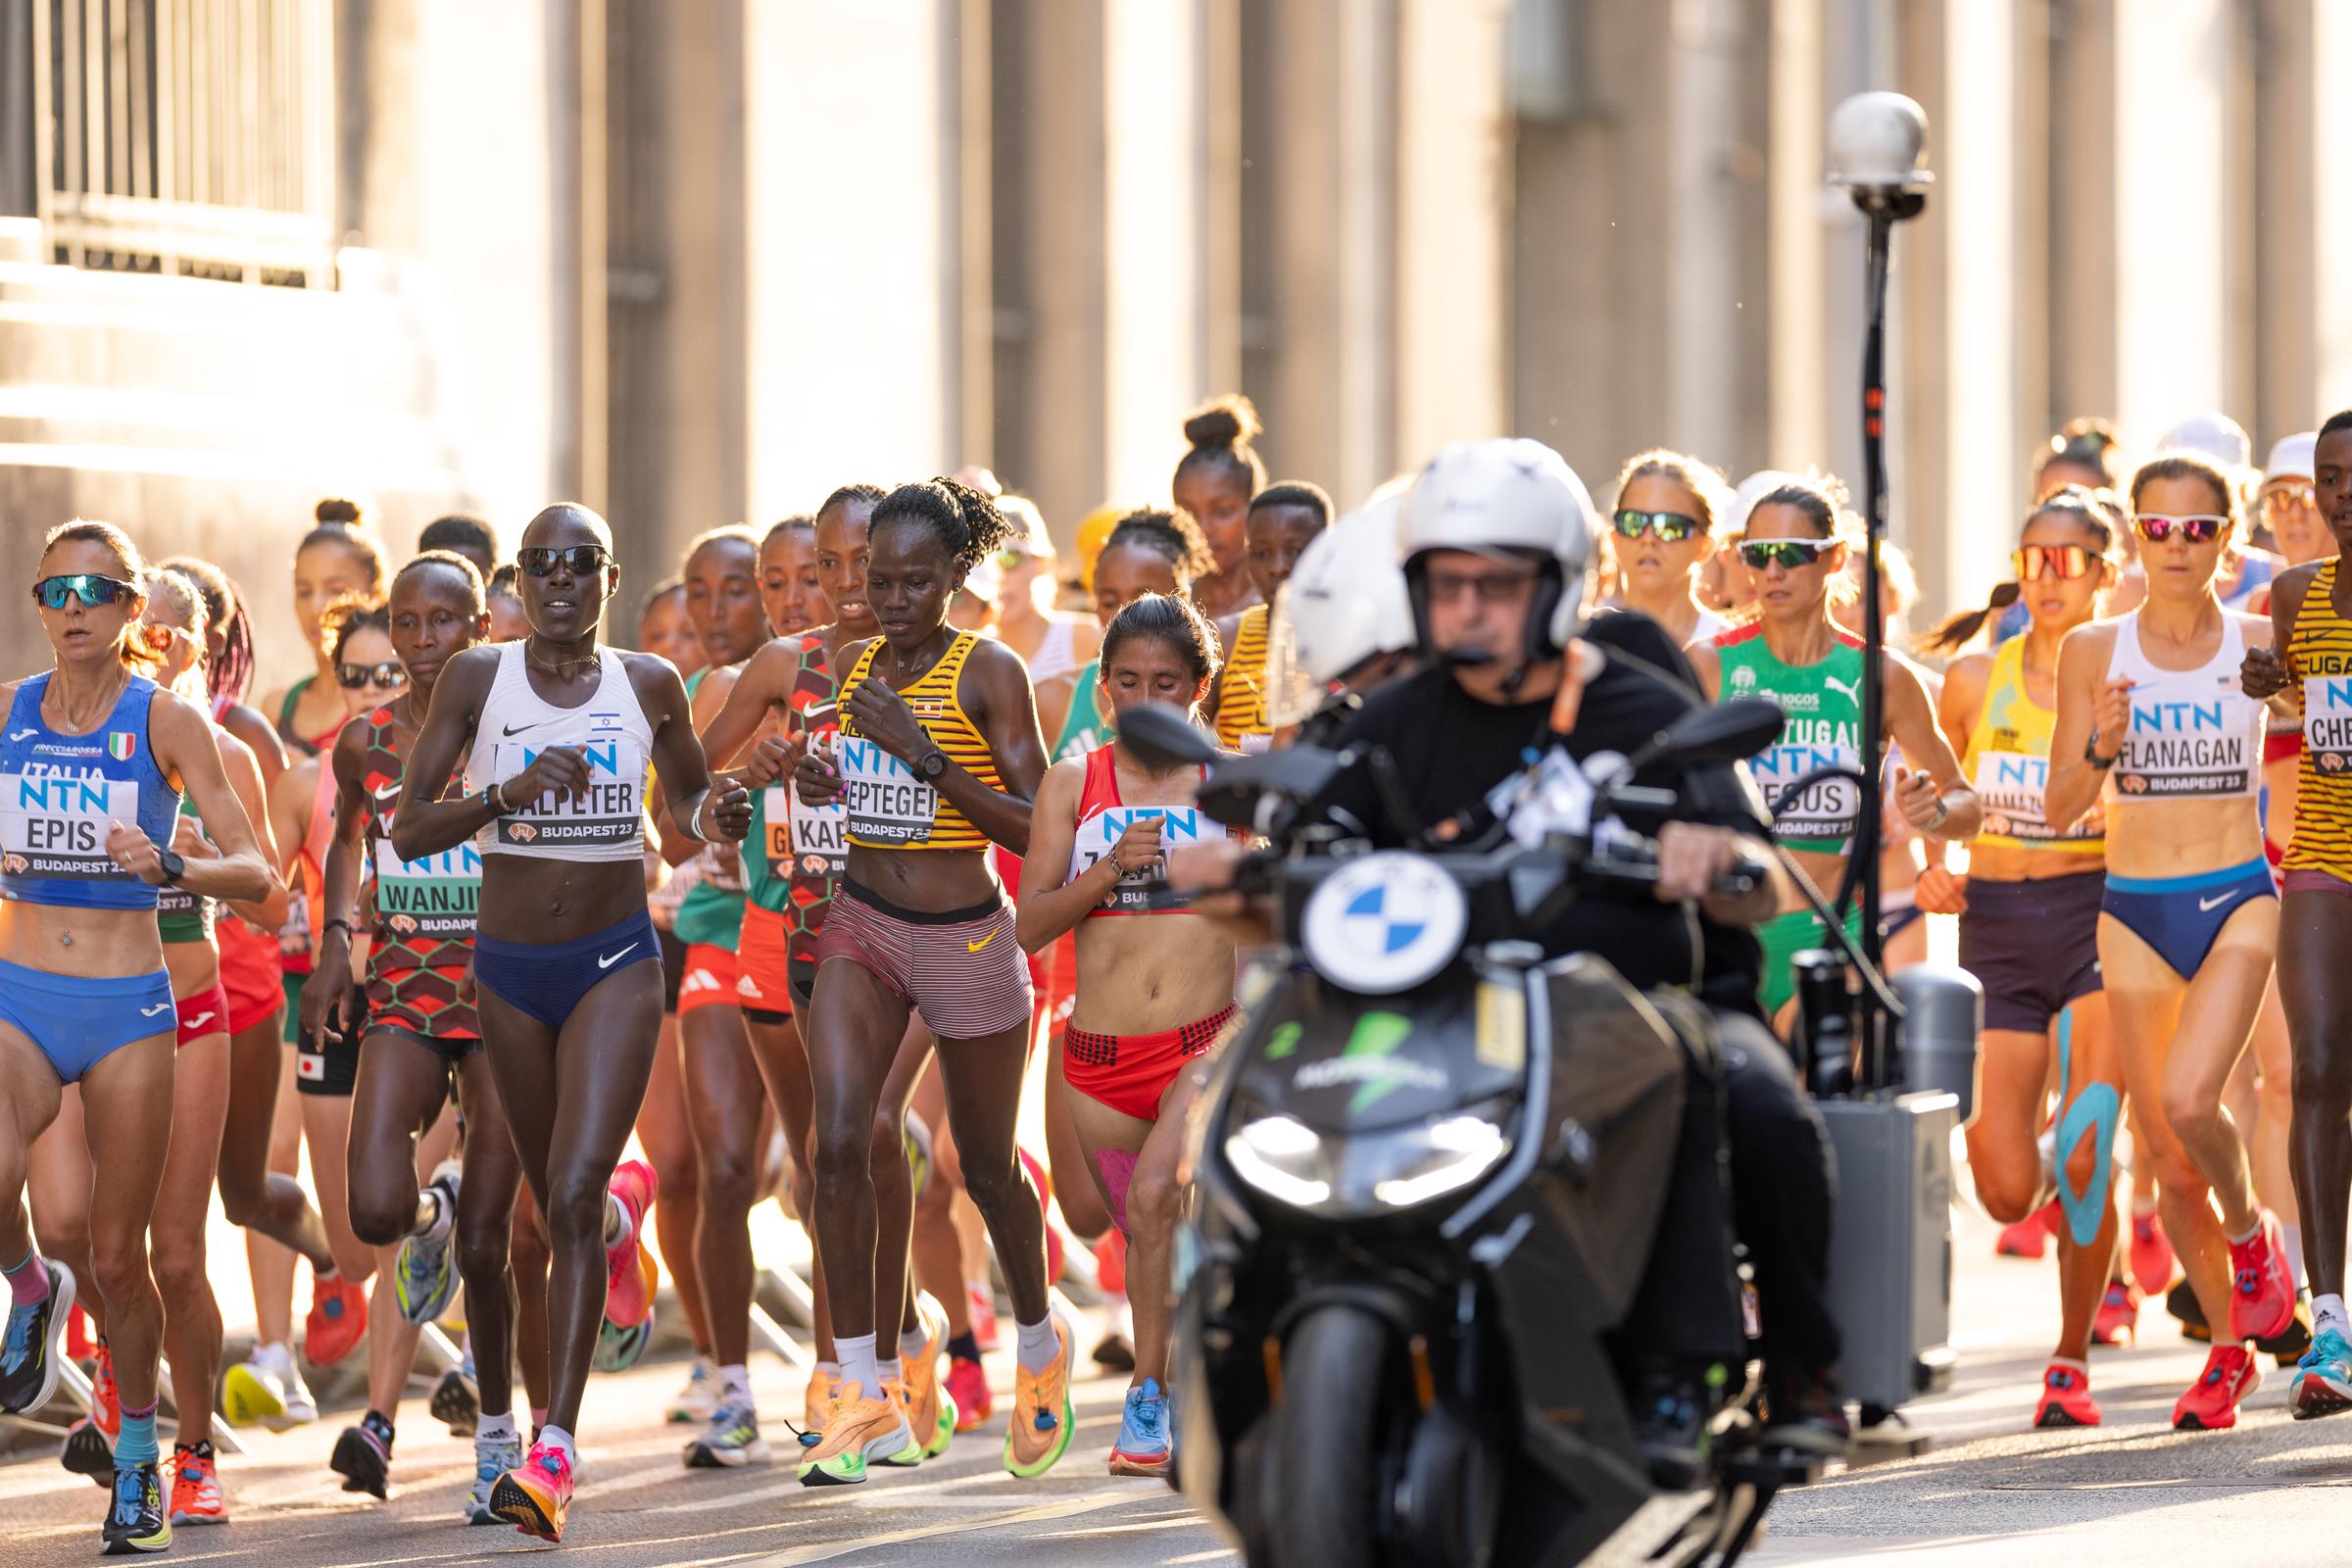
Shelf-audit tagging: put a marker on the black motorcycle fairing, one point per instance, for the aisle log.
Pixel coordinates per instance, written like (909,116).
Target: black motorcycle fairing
(1348,1064)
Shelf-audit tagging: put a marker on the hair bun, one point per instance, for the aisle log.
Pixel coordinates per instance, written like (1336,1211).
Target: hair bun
(1223,423)
(335,508)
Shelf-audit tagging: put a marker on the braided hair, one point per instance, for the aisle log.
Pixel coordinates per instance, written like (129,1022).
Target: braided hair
(230,676)
(965,521)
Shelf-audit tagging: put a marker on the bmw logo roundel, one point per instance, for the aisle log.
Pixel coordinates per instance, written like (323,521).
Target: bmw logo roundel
(1384,923)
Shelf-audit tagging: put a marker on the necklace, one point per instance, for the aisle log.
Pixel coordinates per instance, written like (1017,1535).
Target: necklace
(592,659)
(69,724)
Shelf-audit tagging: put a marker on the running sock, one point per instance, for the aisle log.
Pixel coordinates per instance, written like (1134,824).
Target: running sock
(435,1231)
(912,1344)
(616,1222)
(965,1346)
(2293,1237)
(735,1382)
(2240,1240)
(858,1364)
(890,1371)
(2327,1313)
(136,1445)
(496,1428)
(831,1369)
(28,1280)
(557,1438)
(1039,1344)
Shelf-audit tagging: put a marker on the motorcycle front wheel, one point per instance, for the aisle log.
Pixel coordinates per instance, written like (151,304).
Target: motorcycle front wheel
(1327,1455)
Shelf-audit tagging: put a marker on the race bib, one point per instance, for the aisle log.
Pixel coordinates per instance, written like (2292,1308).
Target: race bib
(2328,723)
(2011,785)
(1825,814)
(888,803)
(808,843)
(51,826)
(434,899)
(1181,828)
(610,810)
(2177,748)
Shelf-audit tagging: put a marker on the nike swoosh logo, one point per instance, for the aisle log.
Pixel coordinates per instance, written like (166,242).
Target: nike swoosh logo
(975,946)
(21,734)
(516,729)
(607,964)
(149,1013)
(2208,906)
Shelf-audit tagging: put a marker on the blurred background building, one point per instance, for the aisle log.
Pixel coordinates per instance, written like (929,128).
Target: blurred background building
(695,261)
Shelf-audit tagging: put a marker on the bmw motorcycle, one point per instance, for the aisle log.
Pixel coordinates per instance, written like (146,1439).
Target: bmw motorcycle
(1428,1174)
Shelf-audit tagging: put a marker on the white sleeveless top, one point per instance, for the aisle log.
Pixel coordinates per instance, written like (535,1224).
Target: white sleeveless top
(1057,651)
(608,822)
(2194,733)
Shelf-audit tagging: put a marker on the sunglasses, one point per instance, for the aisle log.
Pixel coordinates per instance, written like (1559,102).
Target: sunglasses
(1671,527)
(1786,553)
(87,586)
(356,678)
(2302,494)
(161,636)
(2067,562)
(539,561)
(2197,528)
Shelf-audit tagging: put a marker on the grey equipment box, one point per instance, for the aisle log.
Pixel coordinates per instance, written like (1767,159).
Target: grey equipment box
(1890,1246)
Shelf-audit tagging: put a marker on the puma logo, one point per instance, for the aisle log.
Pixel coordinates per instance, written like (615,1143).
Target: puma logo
(1841,688)
(608,962)
(975,946)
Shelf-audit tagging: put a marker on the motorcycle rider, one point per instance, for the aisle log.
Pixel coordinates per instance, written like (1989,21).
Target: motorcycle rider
(1498,540)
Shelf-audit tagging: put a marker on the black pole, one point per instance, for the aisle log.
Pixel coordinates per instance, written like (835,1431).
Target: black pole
(1866,833)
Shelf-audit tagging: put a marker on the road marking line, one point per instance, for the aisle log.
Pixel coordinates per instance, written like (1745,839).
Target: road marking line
(1084,1503)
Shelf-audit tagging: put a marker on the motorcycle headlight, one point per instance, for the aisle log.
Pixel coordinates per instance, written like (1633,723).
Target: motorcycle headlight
(1401,1167)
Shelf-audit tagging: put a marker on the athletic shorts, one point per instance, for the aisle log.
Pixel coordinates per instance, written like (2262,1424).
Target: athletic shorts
(1130,1073)
(291,1029)
(546,980)
(962,969)
(78,1020)
(1782,938)
(2310,879)
(674,970)
(2033,946)
(762,969)
(2180,916)
(249,974)
(329,1065)
(205,1013)
(423,1003)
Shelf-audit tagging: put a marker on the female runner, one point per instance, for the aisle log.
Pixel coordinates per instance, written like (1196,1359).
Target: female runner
(1153,996)
(94,758)
(788,587)
(2028,931)
(2152,701)
(1053,643)
(558,734)
(1214,483)
(1284,518)
(419,1035)
(1662,532)
(938,756)
(1799,656)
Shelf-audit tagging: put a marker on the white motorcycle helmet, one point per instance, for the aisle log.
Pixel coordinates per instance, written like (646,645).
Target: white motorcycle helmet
(1345,602)
(1510,494)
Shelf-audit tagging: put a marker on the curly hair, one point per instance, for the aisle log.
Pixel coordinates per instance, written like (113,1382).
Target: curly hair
(1168,531)
(967,522)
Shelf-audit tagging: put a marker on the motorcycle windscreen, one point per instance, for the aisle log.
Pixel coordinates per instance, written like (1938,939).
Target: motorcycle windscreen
(1345,1063)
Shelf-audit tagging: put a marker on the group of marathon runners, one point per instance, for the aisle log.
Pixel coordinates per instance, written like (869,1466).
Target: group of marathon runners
(794,897)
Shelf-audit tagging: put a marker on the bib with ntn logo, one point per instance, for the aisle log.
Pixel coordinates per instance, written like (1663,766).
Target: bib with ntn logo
(606,820)
(60,795)
(2194,733)
(2009,758)
(1822,708)
(890,805)
(1102,818)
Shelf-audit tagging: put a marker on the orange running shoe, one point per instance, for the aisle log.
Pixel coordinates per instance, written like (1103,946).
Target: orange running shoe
(105,1396)
(1110,1261)
(627,1303)
(2066,1400)
(2152,1261)
(2211,1403)
(196,1487)
(1044,1417)
(930,1408)
(858,1431)
(537,1493)
(2262,1292)
(339,1320)
(817,1402)
(968,1386)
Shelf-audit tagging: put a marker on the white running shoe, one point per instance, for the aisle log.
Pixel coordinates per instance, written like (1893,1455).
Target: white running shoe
(697,1400)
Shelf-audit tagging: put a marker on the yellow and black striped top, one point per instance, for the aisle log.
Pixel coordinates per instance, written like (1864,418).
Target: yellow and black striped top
(891,807)
(2319,655)
(1242,684)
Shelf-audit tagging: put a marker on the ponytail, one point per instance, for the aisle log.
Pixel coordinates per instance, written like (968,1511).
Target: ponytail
(1961,629)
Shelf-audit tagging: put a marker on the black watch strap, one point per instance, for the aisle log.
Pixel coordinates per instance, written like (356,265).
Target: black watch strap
(2091,753)
(934,762)
(174,867)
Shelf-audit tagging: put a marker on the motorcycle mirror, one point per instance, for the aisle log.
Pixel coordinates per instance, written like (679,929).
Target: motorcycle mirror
(1161,738)
(1728,732)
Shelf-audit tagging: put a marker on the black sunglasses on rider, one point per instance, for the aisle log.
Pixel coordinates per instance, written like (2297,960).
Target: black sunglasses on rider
(89,587)
(356,677)
(539,561)
(1671,527)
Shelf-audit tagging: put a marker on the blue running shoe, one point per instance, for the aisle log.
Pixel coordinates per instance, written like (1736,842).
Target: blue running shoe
(2323,1382)
(492,1457)
(1144,1447)
(425,1277)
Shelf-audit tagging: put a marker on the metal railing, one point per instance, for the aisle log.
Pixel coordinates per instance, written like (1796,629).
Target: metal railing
(187,137)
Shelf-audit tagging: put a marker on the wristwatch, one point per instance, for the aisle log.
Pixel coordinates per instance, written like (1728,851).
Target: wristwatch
(174,868)
(932,764)
(2091,753)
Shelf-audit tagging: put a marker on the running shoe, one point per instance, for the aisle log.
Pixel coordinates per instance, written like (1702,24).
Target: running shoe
(2029,1237)
(136,1522)
(2211,1403)
(930,1407)
(2118,1322)
(617,1349)
(2152,1261)
(86,1453)
(1110,1261)
(968,1386)
(1044,1417)
(2066,1400)
(858,1431)
(362,1456)
(492,1459)
(2262,1292)
(536,1494)
(731,1440)
(106,1396)
(80,1346)
(1142,1448)
(817,1403)
(267,1387)
(2322,1383)
(339,1320)
(424,1278)
(981,1305)
(1807,1414)
(196,1487)
(698,1398)
(2286,1347)
(627,1298)
(456,1401)
(31,1354)
(1115,1352)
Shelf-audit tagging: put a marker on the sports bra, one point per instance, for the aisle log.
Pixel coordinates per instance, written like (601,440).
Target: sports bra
(2009,755)
(890,805)
(2194,733)
(1242,721)
(59,795)
(2319,651)
(1102,818)
(1057,651)
(604,824)
(1822,704)
(310,746)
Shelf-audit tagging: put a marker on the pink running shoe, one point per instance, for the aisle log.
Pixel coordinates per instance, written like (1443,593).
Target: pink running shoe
(626,1301)
(2262,1293)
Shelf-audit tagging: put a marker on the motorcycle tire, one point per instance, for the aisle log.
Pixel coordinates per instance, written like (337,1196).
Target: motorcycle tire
(1335,1381)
